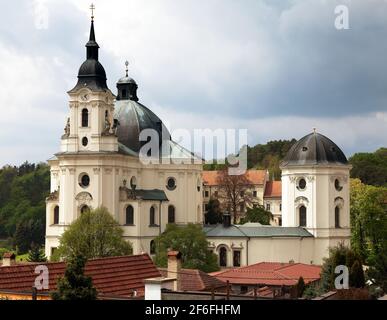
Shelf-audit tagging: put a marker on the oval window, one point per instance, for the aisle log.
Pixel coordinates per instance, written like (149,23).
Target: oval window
(85,181)
(302,184)
(171,184)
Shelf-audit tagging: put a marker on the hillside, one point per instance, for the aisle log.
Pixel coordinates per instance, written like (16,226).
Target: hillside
(23,191)
(370,168)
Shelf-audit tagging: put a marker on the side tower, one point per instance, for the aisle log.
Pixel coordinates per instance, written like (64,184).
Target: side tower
(315,190)
(89,145)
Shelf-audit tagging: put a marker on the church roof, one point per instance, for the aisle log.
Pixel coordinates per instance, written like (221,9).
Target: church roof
(256,177)
(242,231)
(314,149)
(151,195)
(271,274)
(133,118)
(273,189)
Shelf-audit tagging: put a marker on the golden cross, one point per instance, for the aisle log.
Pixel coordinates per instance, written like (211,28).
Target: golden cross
(92,8)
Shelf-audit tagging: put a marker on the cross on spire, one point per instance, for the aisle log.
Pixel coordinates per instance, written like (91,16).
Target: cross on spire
(127,64)
(92,8)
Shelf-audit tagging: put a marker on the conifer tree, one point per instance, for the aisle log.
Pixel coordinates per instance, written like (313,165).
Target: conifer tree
(75,285)
(36,254)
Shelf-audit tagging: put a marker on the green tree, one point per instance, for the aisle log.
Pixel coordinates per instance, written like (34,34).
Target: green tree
(74,285)
(94,234)
(300,287)
(214,213)
(340,255)
(28,232)
(258,214)
(377,272)
(22,198)
(356,275)
(36,254)
(191,241)
(370,168)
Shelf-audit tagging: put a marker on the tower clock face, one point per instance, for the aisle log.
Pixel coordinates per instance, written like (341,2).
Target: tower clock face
(84,97)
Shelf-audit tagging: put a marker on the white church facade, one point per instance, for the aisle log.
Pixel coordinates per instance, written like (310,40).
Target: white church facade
(99,165)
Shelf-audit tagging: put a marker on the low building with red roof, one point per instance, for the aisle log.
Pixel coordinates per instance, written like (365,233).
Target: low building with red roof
(269,274)
(113,277)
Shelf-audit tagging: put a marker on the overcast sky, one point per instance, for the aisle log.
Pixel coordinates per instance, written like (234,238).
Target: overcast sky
(274,67)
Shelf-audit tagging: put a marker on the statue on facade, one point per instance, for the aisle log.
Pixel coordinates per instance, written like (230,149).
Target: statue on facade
(67,129)
(108,125)
(115,126)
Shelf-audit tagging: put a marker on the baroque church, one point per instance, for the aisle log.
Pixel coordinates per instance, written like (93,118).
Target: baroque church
(100,164)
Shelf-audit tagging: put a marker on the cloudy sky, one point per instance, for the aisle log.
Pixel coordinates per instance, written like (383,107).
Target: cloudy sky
(277,68)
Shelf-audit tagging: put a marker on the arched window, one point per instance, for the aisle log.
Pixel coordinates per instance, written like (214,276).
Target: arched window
(152,247)
(129,216)
(171,214)
(152,220)
(85,118)
(56,215)
(84,209)
(302,216)
(223,257)
(337,217)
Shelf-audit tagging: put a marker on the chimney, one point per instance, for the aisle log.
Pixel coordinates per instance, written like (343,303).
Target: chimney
(8,259)
(226,220)
(174,268)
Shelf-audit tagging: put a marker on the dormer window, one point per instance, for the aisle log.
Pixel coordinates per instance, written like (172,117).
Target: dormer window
(85,118)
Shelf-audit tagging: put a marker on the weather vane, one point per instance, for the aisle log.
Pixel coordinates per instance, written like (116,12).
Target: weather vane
(127,64)
(92,8)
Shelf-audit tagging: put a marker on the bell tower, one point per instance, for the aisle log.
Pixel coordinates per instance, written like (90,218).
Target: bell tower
(91,126)
(315,189)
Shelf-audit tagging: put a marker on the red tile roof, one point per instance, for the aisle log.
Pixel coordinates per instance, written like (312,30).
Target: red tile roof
(273,189)
(196,280)
(256,177)
(271,274)
(115,276)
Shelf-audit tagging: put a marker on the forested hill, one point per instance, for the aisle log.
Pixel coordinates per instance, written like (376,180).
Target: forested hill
(264,156)
(370,168)
(23,191)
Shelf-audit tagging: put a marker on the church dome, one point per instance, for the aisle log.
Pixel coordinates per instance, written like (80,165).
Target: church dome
(314,149)
(92,68)
(133,117)
(125,80)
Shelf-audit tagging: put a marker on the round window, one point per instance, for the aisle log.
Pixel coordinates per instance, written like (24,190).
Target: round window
(85,181)
(338,186)
(85,141)
(302,184)
(171,184)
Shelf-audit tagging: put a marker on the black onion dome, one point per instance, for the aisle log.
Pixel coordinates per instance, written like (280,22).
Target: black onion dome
(134,117)
(91,74)
(314,149)
(126,80)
